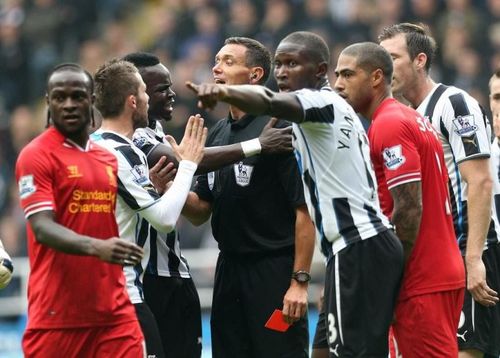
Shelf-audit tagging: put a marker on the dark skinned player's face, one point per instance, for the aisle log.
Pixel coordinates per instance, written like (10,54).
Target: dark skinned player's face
(70,103)
(159,90)
(293,69)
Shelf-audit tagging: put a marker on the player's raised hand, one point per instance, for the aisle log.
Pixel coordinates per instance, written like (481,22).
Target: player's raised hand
(275,140)
(208,93)
(118,251)
(192,145)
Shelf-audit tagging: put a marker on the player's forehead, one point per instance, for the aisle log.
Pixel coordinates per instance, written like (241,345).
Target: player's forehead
(346,62)
(156,74)
(68,79)
(495,85)
(234,51)
(395,44)
(288,49)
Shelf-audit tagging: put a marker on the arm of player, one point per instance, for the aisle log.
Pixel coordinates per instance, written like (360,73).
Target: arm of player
(196,210)
(476,174)
(407,213)
(271,141)
(6,267)
(114,250)
(165,213)
(295,300)
(161,175)
(251,99)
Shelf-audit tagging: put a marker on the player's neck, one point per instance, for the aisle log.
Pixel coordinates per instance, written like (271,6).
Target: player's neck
(420,91)
(375,103)
(236,113)
(118,124)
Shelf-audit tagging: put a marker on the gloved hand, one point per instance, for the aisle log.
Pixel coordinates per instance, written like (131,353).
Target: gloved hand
(6,269)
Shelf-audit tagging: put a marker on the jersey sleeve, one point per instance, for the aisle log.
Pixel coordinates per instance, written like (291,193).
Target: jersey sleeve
(34,176)
(466,126)
(144,141)
(397,151)
(134,186)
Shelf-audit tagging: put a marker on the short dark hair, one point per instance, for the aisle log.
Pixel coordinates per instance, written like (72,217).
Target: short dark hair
(114,82)
(142,59)
(418,40)
(74,67)
(370,56)
(314,45)
(256,55)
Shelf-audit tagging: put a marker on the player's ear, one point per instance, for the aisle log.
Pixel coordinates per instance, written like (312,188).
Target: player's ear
(132,101)
(377,77)
(322,70)
(420,61)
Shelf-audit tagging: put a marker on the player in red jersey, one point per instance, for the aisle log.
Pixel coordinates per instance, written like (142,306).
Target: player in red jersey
(412,186)
(77,302)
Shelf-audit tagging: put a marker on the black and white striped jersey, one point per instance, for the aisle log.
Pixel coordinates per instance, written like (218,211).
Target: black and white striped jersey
(166,258)
(495,175)
(339,182)
(135,192)
(465,132)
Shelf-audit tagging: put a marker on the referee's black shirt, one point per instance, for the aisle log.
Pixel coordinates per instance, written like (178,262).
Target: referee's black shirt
(253,201)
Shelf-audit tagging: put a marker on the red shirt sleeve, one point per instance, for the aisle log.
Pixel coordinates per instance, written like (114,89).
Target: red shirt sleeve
(396,148)
(34,177)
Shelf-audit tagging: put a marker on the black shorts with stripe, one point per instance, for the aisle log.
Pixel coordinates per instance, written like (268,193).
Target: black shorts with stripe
(362,284)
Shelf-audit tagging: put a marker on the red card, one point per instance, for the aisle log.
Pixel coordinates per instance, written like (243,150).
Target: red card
(277,322)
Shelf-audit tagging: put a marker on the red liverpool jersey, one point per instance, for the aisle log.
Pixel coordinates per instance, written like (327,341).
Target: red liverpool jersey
(79,186)
(404,148)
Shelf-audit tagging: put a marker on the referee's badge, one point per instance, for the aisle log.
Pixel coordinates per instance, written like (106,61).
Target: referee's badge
(243,173)
(465,126)
(393,157)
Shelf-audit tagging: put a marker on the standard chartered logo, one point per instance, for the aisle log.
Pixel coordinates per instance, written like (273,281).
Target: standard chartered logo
(92,201)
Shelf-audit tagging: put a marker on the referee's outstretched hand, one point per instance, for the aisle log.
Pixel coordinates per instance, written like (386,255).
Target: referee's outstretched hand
(275,140)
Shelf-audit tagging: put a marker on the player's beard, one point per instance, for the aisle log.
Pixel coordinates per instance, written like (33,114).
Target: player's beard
(140,118)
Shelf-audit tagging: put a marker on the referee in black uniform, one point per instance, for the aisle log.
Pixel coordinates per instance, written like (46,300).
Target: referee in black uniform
(261,223)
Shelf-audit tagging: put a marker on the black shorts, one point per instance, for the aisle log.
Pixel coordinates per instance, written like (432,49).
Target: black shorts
(320,337)
(175,304)
(149,328)
(362,284)
(479,326)
(246,292)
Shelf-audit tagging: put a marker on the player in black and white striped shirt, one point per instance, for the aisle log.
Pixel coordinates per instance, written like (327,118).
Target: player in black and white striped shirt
(122,100)
(340,185)
(465,134)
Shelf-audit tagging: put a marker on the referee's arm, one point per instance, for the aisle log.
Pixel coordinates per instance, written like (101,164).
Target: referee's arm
(295,300)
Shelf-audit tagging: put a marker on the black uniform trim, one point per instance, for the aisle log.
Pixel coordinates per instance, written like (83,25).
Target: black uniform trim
(346,225)
(324,115)
(126,196)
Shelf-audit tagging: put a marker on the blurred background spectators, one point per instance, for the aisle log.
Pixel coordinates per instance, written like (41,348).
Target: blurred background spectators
(35,35)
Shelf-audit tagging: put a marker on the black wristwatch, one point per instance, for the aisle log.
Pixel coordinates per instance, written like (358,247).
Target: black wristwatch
(301,276)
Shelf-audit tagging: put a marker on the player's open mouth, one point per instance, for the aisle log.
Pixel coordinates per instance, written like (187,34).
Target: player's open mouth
(283,88)
(219,81)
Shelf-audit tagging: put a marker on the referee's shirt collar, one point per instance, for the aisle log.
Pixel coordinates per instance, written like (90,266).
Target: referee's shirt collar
(240,123)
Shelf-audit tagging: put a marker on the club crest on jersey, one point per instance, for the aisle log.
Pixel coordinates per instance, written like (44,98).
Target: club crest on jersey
(140,174)
(393,157)
(465,126)
(139,142)
(242,173)
(26,186)
(211,180)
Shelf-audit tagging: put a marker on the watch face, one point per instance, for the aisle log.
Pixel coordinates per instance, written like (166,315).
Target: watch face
(302,276)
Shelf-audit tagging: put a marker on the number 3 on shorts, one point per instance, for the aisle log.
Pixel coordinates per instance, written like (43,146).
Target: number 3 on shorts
(332,330)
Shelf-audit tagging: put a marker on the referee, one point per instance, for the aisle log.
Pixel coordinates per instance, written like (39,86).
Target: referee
(261,223)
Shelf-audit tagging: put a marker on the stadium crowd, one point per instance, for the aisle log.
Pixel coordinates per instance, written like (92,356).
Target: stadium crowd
(35,35)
